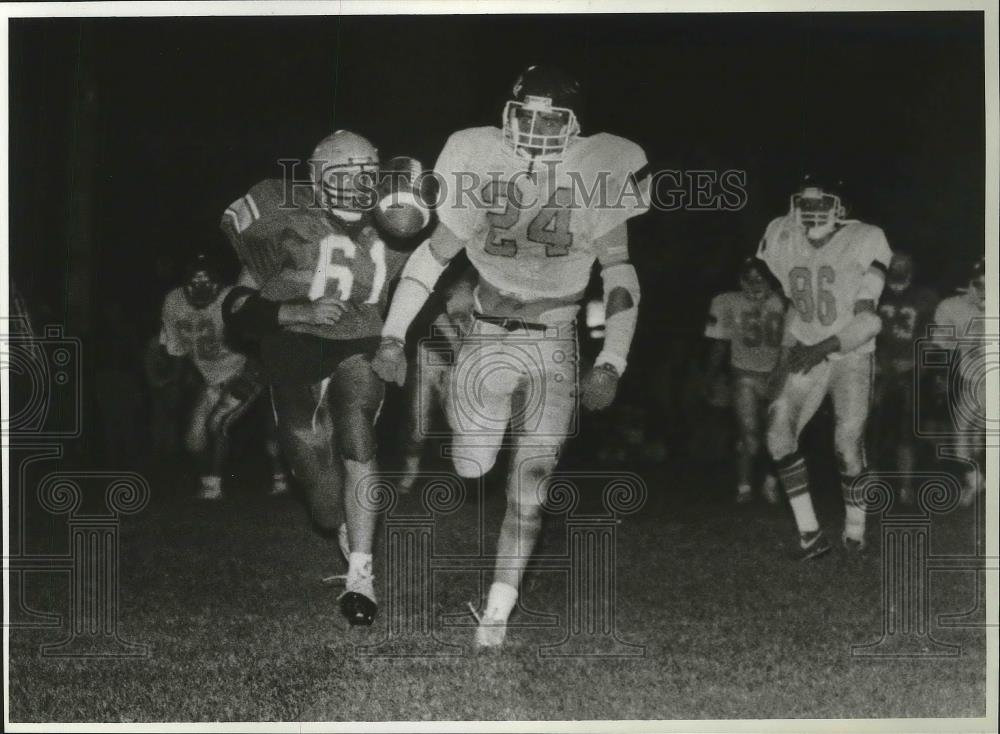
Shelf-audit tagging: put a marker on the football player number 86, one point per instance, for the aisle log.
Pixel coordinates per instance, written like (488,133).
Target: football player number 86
(810,302)
(550,227)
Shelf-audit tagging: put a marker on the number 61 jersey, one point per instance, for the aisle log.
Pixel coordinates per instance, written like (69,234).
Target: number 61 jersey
(529,227)
(296,251)
(822,283)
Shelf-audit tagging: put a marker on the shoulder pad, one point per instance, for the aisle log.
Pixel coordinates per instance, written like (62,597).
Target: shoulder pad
(607,152)
(469,142)
(869,244)
(174,300)
(773,232)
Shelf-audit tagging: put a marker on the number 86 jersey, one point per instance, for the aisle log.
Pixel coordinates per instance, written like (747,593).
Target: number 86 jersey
(823,283)
(529,227)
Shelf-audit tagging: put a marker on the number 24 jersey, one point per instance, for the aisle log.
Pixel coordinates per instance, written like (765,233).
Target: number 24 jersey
(530,228)
(822,282)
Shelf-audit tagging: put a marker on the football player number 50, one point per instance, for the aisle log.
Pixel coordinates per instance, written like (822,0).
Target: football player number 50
(814,302)
(550,227)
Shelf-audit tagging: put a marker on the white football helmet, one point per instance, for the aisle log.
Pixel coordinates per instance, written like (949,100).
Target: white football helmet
(345,168)
(540,122)
(817,210)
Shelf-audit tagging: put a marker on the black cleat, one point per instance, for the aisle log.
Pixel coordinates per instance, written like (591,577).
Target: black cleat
(812,545)
(358,609)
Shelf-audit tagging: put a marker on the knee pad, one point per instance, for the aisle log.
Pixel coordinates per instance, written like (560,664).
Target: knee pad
(472,462)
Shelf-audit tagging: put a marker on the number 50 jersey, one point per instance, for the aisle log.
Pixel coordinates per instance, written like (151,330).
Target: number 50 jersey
(822,283)
(529,227)
(199,333)
(754,329)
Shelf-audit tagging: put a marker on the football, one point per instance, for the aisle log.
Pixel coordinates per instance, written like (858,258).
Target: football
(400,214)
(402,209)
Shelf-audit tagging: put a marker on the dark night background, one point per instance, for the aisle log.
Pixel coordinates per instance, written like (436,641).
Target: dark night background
(130,136)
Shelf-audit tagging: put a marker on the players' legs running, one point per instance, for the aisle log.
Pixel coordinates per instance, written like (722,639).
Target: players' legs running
(543,408)
(356,394)
(308,441)
(237,395)
(969,409)
(850,390)
(798,401)
(356,397)
(197,441)
(279,479)
(423,381)
(907,439)
(479,402)
(746,408)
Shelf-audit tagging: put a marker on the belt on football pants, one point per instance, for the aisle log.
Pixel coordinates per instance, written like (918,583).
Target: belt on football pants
(509,323)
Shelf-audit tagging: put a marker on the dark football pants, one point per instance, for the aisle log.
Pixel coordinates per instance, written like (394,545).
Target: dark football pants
(323,423)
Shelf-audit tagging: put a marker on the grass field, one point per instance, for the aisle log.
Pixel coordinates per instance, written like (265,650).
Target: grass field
(240,627)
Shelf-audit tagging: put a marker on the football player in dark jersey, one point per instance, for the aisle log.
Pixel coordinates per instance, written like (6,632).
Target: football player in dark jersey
(906,310)
(313,292)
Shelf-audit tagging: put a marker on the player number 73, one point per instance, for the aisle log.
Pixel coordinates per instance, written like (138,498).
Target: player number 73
(328,271)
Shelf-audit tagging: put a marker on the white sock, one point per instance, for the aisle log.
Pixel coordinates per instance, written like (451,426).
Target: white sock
(744,489)
(501,600)
(854,523)
(359,563)
(211,482)
(360,578)
(805,516)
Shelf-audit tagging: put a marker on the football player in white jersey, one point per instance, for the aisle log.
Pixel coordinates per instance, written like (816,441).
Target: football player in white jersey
(748,325)
(833,271)
(965,313)
(192,328)
(544,204)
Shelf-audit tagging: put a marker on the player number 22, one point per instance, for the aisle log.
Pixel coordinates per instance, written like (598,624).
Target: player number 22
(814,302)
(550,227)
